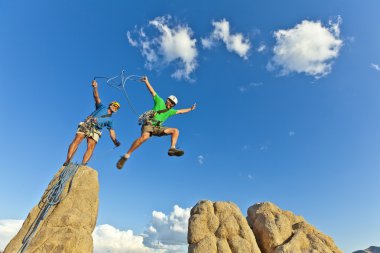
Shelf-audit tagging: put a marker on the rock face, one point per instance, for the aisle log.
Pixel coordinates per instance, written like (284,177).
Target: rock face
(371,249)
(68,226)
(279,231)
(219,227)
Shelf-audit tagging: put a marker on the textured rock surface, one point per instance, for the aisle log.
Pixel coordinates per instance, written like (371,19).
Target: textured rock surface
(279,231)
(69,225)
(219,228)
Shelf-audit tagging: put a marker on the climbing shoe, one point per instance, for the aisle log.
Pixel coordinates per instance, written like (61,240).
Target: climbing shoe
(121,162)
(175,152)
(66,163)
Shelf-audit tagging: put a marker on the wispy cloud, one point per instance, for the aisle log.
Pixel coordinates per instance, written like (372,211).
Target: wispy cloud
(262,47)
(308,48)
(291,133)
(8,229)
(173,45)
(251,85)
(375,66)
(201,159)
(236,43)
(265,147)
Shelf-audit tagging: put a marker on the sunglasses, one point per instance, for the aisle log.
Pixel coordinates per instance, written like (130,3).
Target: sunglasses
(171,102)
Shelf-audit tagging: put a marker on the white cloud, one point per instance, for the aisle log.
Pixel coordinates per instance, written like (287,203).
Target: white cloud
(236,43)
(308,48)
(207,43)
(110,239)
(8,229)
(375,66)
(168,232)
(261,48)
(165,234)
(174,44)
(291,133)
(201,159)
(245,88)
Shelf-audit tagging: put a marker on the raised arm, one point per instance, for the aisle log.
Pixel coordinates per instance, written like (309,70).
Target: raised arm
(145,80)
(95,92)
(181,111)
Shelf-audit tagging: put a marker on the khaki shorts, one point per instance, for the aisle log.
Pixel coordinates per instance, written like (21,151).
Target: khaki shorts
(89,131)
(154,130)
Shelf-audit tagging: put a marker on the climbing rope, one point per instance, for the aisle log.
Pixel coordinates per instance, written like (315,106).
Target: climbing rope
(119,82)
(51,198)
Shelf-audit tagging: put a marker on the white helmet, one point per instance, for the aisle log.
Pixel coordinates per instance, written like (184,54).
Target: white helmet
(173,99)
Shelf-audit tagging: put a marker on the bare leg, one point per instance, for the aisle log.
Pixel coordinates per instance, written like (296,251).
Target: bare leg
(173,151)
(174,132)
(137,143)
(74,146)
(91,143)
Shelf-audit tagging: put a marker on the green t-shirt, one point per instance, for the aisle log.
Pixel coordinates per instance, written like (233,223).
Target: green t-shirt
(159,104)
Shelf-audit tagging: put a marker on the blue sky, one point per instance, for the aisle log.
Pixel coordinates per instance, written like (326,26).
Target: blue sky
(288,111)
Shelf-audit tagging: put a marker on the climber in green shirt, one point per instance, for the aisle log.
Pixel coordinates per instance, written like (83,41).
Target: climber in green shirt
(152,123)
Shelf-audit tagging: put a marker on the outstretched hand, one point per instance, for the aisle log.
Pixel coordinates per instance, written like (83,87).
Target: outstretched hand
(94,84)
(144,79)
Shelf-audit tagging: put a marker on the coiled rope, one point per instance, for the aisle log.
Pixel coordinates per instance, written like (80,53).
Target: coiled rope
(119,82)
(51,198)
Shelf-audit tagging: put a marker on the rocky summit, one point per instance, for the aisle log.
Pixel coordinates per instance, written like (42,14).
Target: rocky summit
(280,231)
(219,227)
(68,225)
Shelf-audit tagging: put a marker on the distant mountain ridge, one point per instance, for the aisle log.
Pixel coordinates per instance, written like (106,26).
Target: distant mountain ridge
(372,249)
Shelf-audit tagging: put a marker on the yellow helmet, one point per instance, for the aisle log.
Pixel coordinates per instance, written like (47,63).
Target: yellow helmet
(115,103)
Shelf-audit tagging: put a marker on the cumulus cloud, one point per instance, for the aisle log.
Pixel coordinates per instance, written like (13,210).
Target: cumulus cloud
(8,229)
(375,66)
(173,44)
(168,232)
(110,239)
(308,48)
(236,43)
(165,234)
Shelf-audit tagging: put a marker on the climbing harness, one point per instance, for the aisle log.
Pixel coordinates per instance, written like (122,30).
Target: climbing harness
(52,197)
(148,117)
(89,127)
(119,82)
